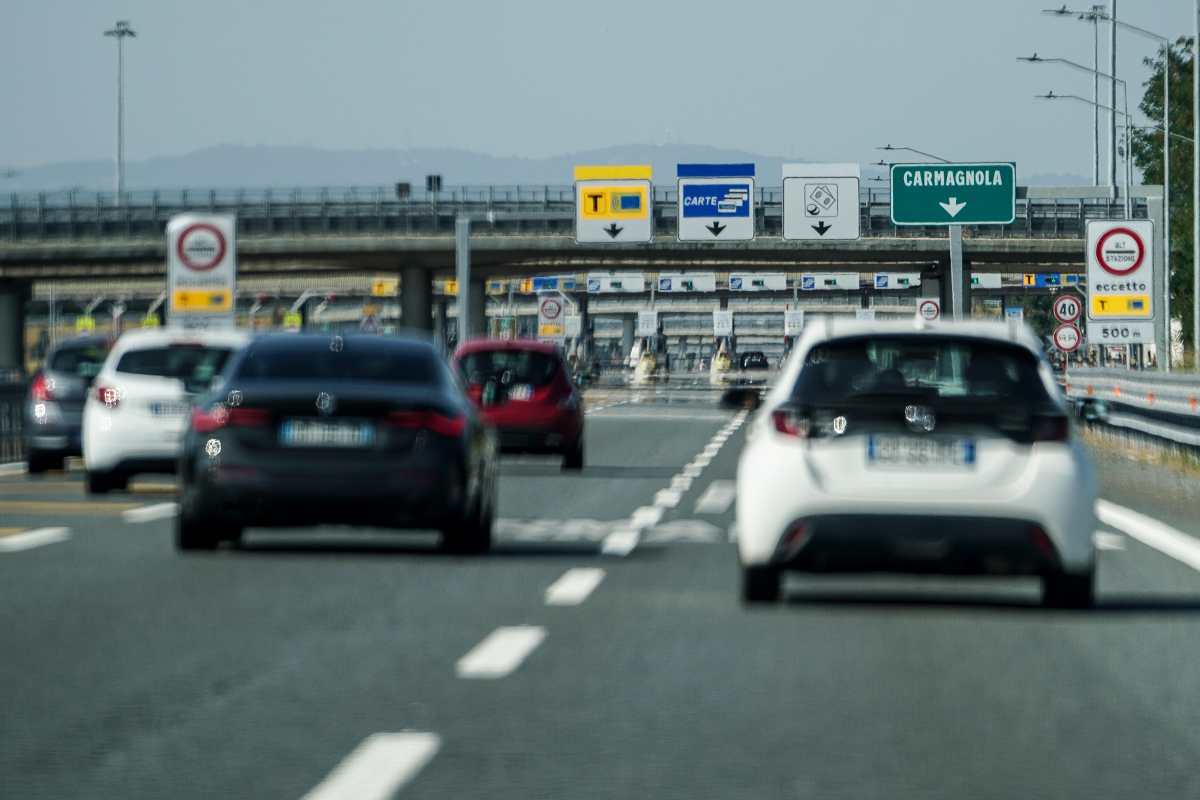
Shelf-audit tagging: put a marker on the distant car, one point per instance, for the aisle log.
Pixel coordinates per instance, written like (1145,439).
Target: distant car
(311,429)
(524,389)
(138,405)
(54,407)
(754,359)
(947,449)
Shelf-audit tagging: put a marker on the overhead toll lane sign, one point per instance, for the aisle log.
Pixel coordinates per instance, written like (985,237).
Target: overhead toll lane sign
(1120,278)
(716,202)
(613,204)
(820,201)
(954,194)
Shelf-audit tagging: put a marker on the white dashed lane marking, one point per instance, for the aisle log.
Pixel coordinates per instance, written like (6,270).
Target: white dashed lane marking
(151,513)
(501,652)
(574,586)
(716,498)
(38,537)
(621,542)
(378,767)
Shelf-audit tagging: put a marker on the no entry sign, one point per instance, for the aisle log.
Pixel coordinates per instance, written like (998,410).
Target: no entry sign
(1120,274)
(1067,338)
(201,270)
(1120,251)
(929,309)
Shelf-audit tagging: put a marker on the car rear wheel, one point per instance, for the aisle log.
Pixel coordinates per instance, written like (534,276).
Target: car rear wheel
(760,585)
(102,482)
(472,535)
(573,458)
(194,532)
(1064,590)
(38,462)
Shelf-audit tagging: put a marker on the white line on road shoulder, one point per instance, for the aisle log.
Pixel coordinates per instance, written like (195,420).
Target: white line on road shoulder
(501,652)
(378,767)
(1151,532)
(574,586)
(151,513)
(34,538)
(1108,541)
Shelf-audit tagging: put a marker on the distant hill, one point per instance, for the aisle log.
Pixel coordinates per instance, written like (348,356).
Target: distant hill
(265,166)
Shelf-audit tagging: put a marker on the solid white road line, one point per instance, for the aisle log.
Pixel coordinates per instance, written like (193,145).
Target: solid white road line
(716,498)
(620,543)
(1151,532)
(378,767)
(667,498)
(574,586)
(34,538)
(1108,541)
(501,652)
(151,513)
(13,468)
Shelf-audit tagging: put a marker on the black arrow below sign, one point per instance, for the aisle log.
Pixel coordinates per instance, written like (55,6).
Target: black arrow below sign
(716,228)
(612,230)
(821,227)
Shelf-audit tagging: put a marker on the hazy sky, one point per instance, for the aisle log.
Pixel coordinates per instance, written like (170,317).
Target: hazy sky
(823,80)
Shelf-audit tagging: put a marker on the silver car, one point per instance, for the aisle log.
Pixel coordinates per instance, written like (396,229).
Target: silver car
(54,406)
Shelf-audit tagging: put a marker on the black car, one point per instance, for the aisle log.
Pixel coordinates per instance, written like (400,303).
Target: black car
(54,406)
(311,429)
(755,359)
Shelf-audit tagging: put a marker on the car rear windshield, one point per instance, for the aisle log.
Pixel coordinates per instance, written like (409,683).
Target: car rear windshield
(509,366)
(83,360)
(862,369)
(188,362)
(372,364)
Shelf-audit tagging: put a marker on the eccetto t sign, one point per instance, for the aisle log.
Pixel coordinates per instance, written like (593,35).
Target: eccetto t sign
(201,270)
(1120,273)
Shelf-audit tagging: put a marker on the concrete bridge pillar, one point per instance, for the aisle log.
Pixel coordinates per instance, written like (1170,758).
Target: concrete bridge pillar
(13,296)
(416,299)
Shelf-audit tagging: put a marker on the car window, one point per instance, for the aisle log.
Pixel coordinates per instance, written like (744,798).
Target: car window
(508,366)
(386,364)
(190,363)
(82,360)
(942,368)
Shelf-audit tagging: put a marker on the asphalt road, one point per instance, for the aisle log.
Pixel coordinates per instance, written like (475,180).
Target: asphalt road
(600,651)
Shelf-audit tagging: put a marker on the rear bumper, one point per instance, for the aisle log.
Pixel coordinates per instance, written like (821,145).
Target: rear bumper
(917,544)
(554,434)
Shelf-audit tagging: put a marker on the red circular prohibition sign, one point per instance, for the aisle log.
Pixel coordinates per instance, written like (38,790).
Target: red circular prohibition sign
(1105,238)
(200,226)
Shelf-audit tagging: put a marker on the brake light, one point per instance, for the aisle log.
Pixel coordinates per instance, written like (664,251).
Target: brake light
(428,420)
(791,423)
(109,396)
(217,417)
(40,389)
(1051,429)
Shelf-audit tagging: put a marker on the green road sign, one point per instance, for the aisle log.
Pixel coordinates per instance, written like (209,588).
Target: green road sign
(954,194)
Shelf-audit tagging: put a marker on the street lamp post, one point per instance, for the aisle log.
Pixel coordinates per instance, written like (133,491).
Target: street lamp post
(120,33)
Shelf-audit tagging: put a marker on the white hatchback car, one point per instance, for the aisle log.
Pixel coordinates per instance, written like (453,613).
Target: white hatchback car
(915,447)
(137,408)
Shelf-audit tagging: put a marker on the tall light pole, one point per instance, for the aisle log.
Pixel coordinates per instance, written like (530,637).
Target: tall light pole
(1096,106)
(120,32)
(1051,95)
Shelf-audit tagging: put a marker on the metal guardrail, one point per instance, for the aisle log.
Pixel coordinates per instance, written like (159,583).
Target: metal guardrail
(1164,407)
(12,443)
(500,209)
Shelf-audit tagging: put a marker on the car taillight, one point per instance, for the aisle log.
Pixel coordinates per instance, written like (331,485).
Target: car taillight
(1051,429)
(217,417)
(791,422)
(109,396)
(428,420)
(40,389)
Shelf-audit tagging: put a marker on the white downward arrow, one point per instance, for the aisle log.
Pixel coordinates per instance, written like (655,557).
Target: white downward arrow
(953,207)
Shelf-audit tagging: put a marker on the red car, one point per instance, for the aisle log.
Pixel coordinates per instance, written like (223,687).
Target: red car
(524,389)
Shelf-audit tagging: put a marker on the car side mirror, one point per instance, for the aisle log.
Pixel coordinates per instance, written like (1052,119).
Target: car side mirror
(741,398)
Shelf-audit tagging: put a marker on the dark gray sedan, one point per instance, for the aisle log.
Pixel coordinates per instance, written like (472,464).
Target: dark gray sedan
(54,406)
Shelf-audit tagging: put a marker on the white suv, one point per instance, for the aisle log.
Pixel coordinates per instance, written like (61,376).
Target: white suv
(137,408)
(915,447)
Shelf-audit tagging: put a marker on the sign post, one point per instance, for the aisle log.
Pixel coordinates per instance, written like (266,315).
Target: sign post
(201,270)
(716,201)
(1120,274)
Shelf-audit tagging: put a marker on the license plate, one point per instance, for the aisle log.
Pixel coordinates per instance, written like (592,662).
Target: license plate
(321,433)
(520,391)
(911,451)
(170,408)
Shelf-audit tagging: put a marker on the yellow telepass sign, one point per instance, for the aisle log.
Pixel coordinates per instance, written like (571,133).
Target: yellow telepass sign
(614,204)
(213,300)
(384,287)
(1123,306)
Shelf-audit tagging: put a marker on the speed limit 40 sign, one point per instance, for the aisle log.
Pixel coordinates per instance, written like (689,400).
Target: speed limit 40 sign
(1067,308)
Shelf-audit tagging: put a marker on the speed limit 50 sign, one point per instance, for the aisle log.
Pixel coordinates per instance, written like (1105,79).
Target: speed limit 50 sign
(1120,272)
